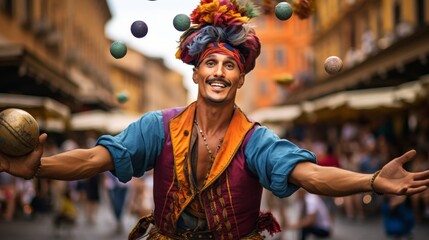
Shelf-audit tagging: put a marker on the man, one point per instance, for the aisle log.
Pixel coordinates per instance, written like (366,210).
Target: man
(210,161)
(314,218)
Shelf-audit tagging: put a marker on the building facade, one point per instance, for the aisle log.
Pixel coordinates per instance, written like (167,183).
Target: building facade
(55,62)
(55,50)
(285,59)
(385,69)
(382,43)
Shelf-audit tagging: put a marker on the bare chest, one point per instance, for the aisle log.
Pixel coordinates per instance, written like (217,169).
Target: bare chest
(207,151)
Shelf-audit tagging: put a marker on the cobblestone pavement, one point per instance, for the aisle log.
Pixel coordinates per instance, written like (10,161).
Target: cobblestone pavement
(41,228)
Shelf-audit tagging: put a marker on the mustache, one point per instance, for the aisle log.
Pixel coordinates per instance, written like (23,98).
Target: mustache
(211,80)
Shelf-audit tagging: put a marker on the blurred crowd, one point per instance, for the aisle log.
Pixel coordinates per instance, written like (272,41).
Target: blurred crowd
(66,201)
(362,146)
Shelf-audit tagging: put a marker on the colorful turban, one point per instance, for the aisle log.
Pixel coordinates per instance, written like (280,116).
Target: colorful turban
(221,21)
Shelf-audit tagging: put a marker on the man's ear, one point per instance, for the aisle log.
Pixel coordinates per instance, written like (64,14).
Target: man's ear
(194,75)
(241,80)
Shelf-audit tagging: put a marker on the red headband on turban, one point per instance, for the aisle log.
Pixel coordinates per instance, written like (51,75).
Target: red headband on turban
(222,48)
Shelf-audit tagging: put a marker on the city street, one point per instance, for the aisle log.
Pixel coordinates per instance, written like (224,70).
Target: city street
(41,227)
(104,228)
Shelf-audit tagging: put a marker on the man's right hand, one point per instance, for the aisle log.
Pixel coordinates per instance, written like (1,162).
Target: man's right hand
(23,166)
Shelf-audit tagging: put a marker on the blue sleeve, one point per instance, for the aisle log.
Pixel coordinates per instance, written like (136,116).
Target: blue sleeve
(135,149)
(272,159)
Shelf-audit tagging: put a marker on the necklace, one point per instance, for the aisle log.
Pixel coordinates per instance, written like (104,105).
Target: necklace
(211,155)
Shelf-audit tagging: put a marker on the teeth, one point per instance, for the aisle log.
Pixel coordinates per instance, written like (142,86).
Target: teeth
(217,85)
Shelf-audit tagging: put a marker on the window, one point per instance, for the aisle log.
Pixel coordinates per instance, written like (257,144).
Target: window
(397,13)
(420,13)
(352,33)
(27,16)
(280,56)
(6,6)
(263,87)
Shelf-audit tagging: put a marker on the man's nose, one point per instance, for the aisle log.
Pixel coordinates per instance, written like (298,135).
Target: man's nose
(219,71)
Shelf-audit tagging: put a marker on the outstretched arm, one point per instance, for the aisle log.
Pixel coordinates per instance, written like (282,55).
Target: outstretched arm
(70,165)
(392,179)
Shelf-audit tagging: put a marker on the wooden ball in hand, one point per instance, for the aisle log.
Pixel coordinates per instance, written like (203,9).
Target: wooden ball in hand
(19,132)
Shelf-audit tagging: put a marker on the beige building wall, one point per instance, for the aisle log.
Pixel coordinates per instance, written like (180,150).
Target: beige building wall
(127,76)
(149,83)
(165,86)
(67,39)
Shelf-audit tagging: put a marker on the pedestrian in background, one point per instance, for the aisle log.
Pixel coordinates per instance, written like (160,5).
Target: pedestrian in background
(398,217)
(117,192)
(314,219)
(65,216)
(420,201)
(8,196)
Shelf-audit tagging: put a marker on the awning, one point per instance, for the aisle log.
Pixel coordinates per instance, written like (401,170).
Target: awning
(387,97)
(25,72)
(358,100)
(49,113)
(102,121)
(347,104)
(277,114)
(22,62)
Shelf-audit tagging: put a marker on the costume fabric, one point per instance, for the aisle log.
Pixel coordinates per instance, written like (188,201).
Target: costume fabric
(229,201)
(135,150)
(266,159)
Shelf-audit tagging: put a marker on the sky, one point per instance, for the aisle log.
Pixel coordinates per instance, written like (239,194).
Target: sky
(161,39)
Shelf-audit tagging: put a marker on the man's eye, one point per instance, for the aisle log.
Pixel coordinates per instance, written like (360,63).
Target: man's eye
(230,66)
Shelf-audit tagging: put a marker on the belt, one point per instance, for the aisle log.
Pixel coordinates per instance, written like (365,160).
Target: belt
(181,234)
(191,235)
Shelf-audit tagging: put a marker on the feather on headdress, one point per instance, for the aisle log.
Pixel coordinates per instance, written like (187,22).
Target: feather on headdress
(223,13)
(221,21)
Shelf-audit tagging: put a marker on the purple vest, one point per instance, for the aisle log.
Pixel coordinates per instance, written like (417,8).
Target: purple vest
(232,196)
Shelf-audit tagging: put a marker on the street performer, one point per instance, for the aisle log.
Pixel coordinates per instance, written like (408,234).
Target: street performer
(210,160)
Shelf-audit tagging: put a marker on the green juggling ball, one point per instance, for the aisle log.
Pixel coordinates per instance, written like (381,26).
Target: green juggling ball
(118,49)
(283,11)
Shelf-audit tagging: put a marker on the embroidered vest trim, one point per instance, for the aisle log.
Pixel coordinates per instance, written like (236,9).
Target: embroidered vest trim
(229,214)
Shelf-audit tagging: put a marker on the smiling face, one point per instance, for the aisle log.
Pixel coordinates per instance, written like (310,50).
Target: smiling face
(218,77)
